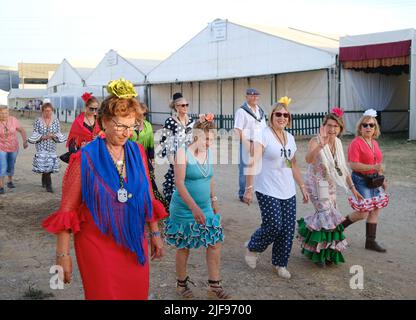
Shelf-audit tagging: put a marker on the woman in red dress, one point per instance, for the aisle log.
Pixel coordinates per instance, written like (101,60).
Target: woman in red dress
(106,201)
(84,128)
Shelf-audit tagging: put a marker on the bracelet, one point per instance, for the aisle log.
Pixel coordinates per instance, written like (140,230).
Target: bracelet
(214,198)
(352,186)
(249,187)
(155,234)
(302,186)
(61,255)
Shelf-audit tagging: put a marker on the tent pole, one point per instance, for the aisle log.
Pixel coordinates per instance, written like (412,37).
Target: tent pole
(221,115)
(339,81)
(328,89)
(233,95)
(412,90)
(199,97)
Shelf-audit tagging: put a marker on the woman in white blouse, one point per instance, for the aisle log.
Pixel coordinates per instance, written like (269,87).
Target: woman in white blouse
(274,173)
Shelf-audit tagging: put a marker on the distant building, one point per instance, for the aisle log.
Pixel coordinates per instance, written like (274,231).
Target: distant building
(35,75)
(9,78)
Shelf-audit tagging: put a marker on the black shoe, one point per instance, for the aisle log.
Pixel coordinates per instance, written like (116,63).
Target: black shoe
(1,190)
(328,262)
(10,185)
(321,264)
(49,189)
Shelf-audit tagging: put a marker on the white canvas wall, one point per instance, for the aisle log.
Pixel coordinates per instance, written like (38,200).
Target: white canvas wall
(308,91)
(351,100)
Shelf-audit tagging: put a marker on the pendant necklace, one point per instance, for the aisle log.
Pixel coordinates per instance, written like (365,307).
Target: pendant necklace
(122,194)
(337,168)
(284,152)
(204,168)
(6,129)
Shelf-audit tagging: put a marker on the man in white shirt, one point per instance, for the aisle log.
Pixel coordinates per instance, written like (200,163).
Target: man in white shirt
(249,121)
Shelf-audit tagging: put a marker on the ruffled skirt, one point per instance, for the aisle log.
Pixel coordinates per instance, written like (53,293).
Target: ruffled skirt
(192,235)
(45,162)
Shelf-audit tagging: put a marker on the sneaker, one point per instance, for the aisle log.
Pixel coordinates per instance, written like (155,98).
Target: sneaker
(1,190)
(10,185)
(250,257)
(283,272)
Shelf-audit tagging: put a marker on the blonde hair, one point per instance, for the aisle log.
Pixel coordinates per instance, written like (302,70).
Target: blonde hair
(173,103)
(278,106)
(377,131)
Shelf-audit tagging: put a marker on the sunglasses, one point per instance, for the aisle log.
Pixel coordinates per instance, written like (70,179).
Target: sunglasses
(93,109)
(366,125)
(183,105)
(282,114)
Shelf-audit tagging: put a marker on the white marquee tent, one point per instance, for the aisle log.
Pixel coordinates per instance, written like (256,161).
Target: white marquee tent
(379,72)
(3,97)
(114,66)
(66,87)
(215,67)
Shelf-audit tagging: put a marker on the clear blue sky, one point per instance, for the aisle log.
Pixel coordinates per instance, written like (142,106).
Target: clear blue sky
(84,30)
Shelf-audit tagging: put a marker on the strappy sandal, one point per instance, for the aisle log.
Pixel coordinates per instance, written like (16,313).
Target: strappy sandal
(183,289)
(216,291)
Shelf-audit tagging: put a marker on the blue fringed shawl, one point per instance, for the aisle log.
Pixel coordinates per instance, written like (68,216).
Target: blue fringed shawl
(100,183)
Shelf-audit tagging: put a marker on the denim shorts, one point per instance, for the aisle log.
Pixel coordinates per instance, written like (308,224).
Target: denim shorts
(361,186)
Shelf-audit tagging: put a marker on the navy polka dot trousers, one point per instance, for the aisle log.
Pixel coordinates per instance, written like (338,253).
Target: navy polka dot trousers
(277,227)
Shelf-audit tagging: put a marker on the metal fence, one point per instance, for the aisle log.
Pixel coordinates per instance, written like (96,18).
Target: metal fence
(302,124)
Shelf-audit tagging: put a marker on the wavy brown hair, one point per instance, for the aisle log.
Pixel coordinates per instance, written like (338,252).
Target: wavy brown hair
(113,106)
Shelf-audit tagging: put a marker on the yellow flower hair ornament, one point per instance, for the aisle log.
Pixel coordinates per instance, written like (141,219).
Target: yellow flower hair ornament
(285,100)
(121,88)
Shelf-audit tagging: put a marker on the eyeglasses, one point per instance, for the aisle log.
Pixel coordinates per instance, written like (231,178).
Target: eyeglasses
(93,109)
(122,128)
(280,114)
(183,105)
(366,125)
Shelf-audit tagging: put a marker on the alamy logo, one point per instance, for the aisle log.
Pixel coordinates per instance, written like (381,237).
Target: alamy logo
(57,280)
(357,280)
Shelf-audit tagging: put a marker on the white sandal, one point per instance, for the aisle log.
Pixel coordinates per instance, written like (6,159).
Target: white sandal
(283,272)
(250,259)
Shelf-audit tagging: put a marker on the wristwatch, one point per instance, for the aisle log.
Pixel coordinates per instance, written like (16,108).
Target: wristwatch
(214,198)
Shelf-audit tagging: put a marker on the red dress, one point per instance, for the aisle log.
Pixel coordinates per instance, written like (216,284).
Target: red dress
(108,271)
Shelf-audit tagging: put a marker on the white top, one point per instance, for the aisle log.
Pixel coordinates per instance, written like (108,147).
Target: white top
(275,179)
(251,127)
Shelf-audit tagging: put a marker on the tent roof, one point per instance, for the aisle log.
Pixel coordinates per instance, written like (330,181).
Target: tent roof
(114,66)
(27,93)
(377,38)
(245,52)
(144,65)
(84,72)
(326,42)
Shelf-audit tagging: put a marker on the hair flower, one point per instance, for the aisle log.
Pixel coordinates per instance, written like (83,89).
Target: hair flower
(285,100)
(86,96)
(338,112)
(371,113)
(206,117)
(121,88)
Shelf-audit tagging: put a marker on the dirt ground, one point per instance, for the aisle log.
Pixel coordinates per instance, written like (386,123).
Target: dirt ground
(27,252)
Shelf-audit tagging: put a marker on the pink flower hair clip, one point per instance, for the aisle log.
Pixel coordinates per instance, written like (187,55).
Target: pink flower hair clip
(338,112)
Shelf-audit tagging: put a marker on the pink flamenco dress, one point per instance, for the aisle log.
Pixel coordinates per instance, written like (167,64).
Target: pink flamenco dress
(110,269)
(321,233)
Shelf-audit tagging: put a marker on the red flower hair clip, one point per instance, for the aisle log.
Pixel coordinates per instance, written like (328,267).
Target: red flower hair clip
(86,96)
(338,112)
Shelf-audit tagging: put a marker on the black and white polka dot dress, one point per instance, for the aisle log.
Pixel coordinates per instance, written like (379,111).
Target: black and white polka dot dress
(174,136)
(45,159)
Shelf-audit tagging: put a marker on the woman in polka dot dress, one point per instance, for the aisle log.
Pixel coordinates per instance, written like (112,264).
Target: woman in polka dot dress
(46,134)
(176,133)
(276,172)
